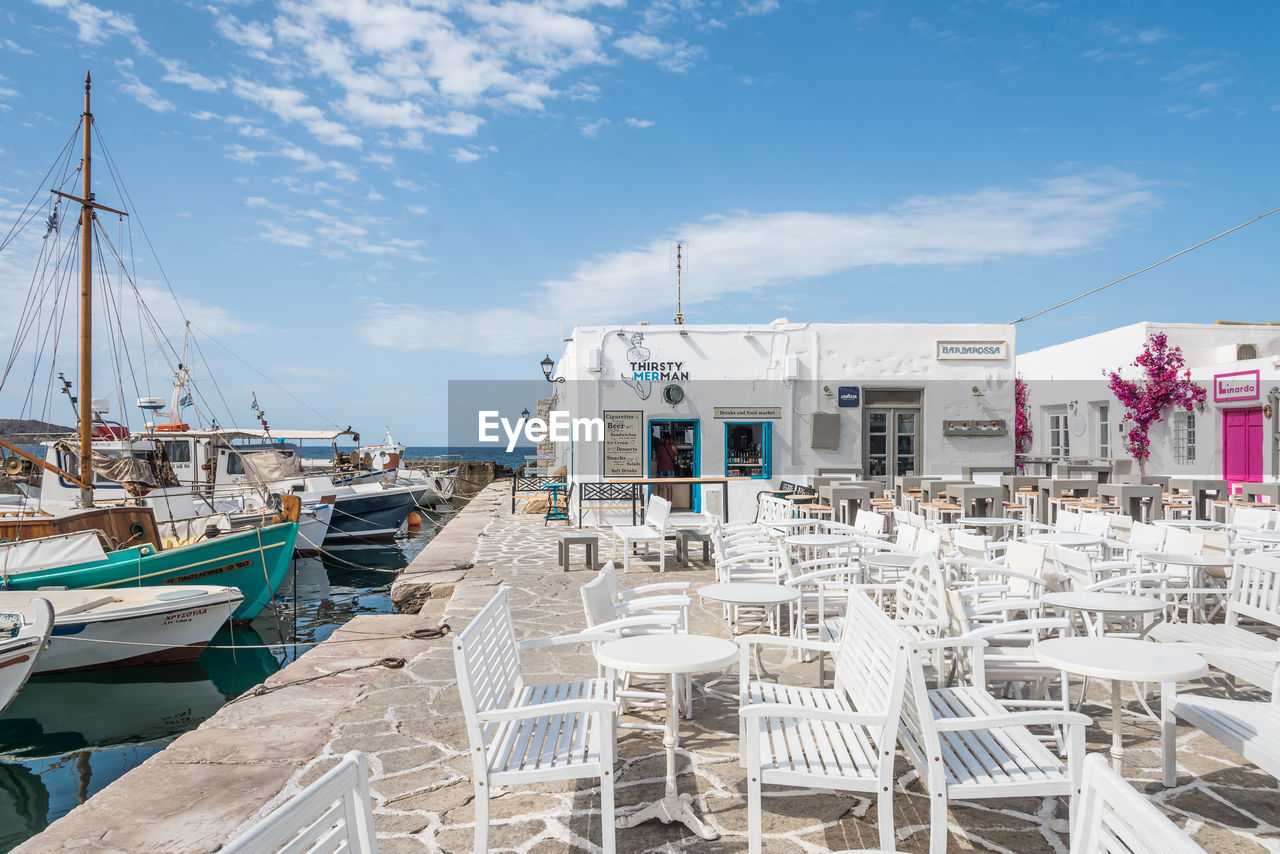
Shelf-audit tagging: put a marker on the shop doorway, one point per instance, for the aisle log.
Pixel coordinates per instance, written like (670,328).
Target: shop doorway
(892,446)
(1242,445)
(685,440)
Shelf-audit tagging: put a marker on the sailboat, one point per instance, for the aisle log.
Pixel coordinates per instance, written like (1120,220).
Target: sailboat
(121,546)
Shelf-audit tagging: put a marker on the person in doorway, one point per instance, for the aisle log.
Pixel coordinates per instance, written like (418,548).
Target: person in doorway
(665,458)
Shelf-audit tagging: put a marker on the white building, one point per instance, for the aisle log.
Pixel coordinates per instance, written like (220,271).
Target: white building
(771,402)
(1075,415)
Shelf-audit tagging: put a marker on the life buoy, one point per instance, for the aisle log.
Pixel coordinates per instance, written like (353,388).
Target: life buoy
(172,428)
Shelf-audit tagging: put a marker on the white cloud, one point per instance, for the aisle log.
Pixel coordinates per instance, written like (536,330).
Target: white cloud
(464,155)
(145,95)
(176,72)
(639,123)
(94,25)
(592,129)
(17,48)
(290,105)
(742,252)
(419,210)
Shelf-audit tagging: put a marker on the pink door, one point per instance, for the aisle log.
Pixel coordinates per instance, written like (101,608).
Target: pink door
(1242,445)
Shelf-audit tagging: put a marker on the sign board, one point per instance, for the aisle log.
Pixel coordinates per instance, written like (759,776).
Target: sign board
(849,395)
(1241,385)
(623,443)
(749,413)
(974,350)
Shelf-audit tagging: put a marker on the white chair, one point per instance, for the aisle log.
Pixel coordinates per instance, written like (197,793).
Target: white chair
(827,738)
(330,816)
(654,530)
(1112,817)
(1253,517)
(522,733)
(964,744)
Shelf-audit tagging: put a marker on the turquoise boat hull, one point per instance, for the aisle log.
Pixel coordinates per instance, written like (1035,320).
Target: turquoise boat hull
(255,560)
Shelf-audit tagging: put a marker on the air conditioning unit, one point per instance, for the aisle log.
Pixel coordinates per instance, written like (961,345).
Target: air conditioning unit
(594,364)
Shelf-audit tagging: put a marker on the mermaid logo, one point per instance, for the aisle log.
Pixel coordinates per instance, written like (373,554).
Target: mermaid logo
(637,353)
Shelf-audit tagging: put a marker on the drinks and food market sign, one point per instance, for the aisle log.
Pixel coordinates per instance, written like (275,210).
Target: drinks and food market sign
(973,350)
(1240,385)
(749,413)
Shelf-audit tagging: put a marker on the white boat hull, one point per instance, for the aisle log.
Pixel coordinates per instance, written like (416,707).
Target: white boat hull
(96,629)
(21,653)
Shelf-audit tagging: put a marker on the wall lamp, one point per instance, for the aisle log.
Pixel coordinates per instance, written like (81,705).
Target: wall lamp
(524,415)
(547,365)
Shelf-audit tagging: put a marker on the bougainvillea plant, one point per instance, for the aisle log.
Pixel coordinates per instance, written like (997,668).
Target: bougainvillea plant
(1022,433)
(1162,383)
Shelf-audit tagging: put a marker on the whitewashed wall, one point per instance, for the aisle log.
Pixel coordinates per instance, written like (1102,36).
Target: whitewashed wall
(746,366)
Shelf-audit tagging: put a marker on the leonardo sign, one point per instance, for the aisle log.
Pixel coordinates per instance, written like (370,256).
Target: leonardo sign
(992,350)
(1241,385)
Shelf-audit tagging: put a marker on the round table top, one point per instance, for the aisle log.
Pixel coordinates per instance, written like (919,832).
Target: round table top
(1122,658)
(749,593)
(1259,536)
(790,523)
(1188,523)
(1185,560)
(667,653)
(979,521)
(899,560)
(817,540)
(1065,538)
(1103,603)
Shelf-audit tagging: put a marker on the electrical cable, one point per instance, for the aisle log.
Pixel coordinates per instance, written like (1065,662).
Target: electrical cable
(1144,269)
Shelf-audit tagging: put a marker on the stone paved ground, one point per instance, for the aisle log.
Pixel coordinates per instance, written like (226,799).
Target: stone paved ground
(1225,803)
(192,796)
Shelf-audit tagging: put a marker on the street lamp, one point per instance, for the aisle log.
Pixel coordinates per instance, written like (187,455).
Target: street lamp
(547,365)
(524,415)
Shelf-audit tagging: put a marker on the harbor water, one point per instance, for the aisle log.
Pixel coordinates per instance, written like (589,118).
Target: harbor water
(67,737)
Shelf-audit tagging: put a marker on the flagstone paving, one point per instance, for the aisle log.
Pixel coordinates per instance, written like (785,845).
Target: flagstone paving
(261,749)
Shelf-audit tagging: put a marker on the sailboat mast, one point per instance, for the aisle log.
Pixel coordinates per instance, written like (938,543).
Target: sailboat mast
(86,314)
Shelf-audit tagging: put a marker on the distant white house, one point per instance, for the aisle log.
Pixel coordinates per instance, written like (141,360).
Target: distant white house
(1074,413)
(770,402)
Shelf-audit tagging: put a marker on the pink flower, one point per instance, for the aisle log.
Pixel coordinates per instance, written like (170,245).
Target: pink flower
(1164,384)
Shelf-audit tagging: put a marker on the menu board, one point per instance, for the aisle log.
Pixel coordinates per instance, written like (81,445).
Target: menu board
(623,443)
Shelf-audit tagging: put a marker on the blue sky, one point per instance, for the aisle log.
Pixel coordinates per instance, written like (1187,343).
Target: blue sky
(364,199)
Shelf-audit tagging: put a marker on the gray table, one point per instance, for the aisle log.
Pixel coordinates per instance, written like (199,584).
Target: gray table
(686,537)
(577,538)
(1013,482)
(1255,491)
(929,489)
(1101,471)
(1200,487)
(1131,495)
(845,501)
(1053,487)
(976,499)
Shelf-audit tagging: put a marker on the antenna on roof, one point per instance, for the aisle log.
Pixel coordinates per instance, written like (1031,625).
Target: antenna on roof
(681,245)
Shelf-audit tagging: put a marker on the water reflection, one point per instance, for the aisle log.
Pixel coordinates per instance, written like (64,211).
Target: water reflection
(68,736)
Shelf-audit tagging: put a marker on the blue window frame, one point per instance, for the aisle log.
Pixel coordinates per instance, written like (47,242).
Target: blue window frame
(748,449)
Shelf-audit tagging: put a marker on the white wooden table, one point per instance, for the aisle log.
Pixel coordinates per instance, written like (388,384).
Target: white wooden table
(1070,539)
(675,656)
(737,594)
(1268,537)
(1121,660)
(896,561)
(1003,523)
(1092,602)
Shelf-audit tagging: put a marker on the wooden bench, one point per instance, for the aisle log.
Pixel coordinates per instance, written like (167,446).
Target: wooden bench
(1254,594)
(827,738)
(1115,818)
(1249,727)
(331,815)
(522,733)
(964,744)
